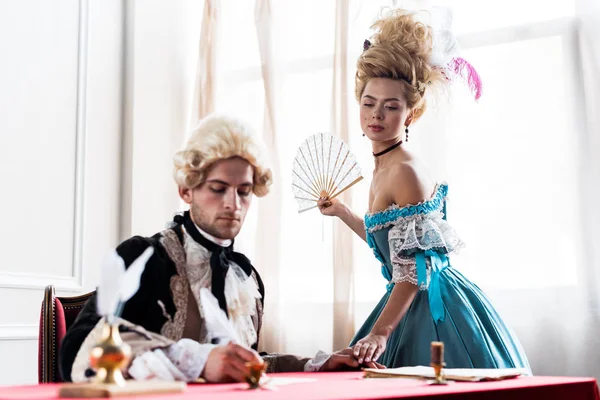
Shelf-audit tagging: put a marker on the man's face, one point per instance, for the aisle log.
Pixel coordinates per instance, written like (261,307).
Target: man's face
(219,205)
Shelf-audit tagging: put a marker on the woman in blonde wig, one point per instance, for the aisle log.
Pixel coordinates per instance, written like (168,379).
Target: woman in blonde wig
(427,300)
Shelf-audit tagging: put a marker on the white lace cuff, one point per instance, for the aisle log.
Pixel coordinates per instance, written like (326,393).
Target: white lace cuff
(182,361)
(418,233)
(404,269)
(315,364)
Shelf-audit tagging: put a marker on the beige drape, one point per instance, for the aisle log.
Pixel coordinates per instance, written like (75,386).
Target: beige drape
(204,96)
(268,255)
(343,276)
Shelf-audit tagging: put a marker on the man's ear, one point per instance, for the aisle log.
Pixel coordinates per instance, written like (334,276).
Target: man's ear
(185,194)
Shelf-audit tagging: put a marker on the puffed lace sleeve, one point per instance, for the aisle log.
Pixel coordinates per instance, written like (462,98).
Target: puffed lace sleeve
(154,356)
(415,234)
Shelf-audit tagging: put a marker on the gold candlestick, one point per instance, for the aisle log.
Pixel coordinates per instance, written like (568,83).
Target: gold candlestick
(109,356)
(437,362)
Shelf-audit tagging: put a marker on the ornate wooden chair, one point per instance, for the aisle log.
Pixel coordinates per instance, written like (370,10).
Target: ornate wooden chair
(57,314)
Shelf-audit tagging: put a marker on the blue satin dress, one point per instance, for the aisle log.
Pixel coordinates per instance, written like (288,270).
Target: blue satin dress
(413,244)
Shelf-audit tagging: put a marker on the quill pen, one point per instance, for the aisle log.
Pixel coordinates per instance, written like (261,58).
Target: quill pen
(117,285)
(218,325)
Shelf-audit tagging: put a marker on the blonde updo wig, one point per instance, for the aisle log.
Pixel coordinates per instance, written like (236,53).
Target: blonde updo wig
(400,49)
(218,138)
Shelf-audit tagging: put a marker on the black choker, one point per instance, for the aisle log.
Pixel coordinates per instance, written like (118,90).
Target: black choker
(392,147)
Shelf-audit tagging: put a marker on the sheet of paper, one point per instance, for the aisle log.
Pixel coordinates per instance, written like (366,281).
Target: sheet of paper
(457,374)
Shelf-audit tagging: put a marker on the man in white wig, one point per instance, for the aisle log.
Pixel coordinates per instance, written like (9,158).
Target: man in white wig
(222,166)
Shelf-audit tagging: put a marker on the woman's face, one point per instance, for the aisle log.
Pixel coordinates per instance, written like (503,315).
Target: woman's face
(383,109)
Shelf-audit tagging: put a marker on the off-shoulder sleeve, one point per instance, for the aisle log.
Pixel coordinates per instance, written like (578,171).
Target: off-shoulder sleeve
(418,233)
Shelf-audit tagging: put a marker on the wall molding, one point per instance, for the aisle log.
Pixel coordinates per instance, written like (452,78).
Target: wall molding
(75,281)
(19,332)
(77,263)
(15,280)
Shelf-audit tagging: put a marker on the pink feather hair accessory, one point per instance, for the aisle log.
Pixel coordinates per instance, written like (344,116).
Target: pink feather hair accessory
(459,67)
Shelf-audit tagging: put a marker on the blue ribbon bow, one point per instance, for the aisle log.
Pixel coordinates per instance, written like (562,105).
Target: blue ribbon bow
(439,262)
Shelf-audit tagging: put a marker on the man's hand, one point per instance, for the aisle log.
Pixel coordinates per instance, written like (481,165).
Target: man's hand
(344,360)
(228,363)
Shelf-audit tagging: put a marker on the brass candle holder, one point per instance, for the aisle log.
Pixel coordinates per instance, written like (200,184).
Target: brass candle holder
(109,356)
(437,362)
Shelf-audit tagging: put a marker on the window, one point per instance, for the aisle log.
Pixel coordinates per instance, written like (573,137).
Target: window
(510,159)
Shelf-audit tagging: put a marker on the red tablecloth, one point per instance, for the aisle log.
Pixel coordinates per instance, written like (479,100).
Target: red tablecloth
(350,385)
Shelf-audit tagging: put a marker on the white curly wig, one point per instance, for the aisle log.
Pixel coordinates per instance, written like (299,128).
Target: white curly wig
(218,138)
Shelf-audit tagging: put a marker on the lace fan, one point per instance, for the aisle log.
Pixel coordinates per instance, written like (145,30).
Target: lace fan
(324,167)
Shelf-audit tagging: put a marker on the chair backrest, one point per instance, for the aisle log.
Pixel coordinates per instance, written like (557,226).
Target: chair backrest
(56,316)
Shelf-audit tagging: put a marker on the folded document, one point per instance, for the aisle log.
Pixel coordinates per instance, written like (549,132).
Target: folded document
(454,374)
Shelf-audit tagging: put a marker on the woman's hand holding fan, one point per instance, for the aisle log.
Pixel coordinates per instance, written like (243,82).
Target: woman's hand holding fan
(332,208)
(323,168)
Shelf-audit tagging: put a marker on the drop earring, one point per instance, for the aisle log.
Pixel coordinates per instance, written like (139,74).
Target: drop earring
(406,131)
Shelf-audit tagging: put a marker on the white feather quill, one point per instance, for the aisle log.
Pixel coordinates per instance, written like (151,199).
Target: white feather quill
(118,285)
(131,280)
(218,325)
(113,269)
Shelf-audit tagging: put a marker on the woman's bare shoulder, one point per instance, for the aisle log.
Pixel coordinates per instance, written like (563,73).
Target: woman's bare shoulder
(409,184)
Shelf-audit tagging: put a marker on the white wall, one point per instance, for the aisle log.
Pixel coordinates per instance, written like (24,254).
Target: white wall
(69,106)
(59,155)
(166,49)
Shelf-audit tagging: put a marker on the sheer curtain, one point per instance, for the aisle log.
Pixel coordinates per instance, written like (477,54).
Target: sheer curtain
(275,70)
(522,173)
(343,267)
(521,164)
(204,94)
(268,233)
